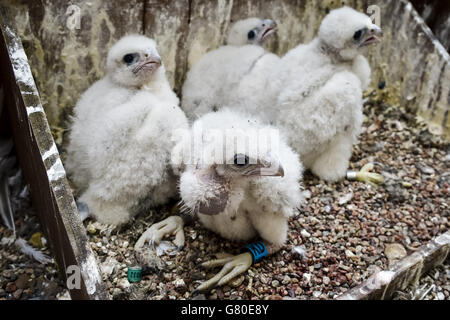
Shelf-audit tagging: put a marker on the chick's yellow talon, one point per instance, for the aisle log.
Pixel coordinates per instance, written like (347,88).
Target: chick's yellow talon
(369,177)
(367,167)
(232,267)
(365,175)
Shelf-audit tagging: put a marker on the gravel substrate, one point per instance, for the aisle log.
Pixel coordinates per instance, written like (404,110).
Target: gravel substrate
(344,233)
(435,285)
(22,276)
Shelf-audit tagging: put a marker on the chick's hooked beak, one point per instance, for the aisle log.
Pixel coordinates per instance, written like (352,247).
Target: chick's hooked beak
(373,36)
(270,167)
(151,61)
(268,27)
(274,170)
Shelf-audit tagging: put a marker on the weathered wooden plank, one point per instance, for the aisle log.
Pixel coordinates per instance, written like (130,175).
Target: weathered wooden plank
(436,14)
(42,166)
(383,284)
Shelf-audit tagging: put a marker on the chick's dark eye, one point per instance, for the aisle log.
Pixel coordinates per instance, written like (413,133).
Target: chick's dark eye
(128,58)
(357,35)
(241,160)
(251,35)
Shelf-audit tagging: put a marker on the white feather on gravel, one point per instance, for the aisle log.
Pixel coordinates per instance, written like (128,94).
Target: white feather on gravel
(32,252)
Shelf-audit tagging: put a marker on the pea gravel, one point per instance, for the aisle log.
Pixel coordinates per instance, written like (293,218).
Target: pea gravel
(344,233)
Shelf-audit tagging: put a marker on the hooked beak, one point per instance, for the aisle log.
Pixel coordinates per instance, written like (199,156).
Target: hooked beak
(269,27)
(275,169)
(373,36)
(270,167)
(152,62)
(269,171)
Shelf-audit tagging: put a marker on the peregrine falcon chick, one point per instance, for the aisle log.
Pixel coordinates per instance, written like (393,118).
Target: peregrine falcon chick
(315,95)
(211,83)
(120,140)
(241,180)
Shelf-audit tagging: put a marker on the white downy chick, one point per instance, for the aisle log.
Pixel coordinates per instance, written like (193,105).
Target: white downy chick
(120,140)
(212,81)
(241,180)
(315,95)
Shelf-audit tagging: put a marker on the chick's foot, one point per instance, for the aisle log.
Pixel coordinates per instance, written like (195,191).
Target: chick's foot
(171,226)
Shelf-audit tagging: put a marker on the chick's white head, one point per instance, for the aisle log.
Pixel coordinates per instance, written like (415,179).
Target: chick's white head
(348,32)
(225,160)
(242,166)
(251,31)
(133,61)
(209,189)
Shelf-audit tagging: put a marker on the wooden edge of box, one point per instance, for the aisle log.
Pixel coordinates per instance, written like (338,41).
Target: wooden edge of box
(383,284)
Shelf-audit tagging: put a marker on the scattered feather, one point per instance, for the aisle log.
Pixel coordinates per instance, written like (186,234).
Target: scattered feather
(307,194)
(166,247)
(422,292)
(109,266)
(7,241)
(300,250)
(30,251)
(346,198)
(83,210)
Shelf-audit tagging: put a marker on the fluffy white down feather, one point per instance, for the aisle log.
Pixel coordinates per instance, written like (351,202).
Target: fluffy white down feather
(38,255)
(237,36)
(120,141)
(257,205)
